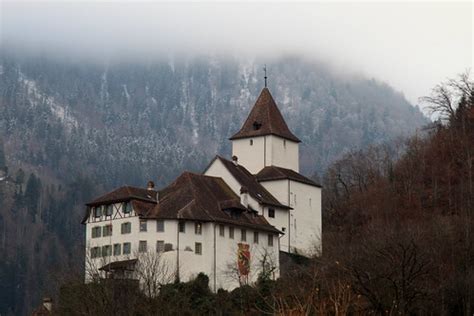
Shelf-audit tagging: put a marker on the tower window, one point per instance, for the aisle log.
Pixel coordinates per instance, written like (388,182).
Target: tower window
(271,212)
(251,142)
(182,227)
(198,228)
(284,143)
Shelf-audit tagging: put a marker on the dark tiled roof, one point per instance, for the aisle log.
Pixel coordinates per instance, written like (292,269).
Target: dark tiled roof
(120,265)
(203,198)
(249,181)
(125,193)
(265,119)
(278,173)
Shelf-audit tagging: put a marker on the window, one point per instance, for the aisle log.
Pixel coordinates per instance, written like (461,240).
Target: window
(271,212)
(117,249)
(143,225)
(127,247)
(126,228)
(270,240)
(109,210)
(126,208)
(221,230)
(284,143)
(95,252)
(283,229)
(251,142)
(198,228)
(160,226)
(255,237)
(142,247)
(231,232)
(106,250)
(107,230)
(182,227)
(160,246)
(96,232)
(198,248)
(243,235)
(97,211)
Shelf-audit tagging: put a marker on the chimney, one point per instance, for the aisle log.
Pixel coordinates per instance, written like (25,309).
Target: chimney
(48,303)
(235,160)
(244,196)
(150,185)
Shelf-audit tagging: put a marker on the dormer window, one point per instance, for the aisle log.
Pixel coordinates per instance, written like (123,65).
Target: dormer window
(97,211)
(256,126)
(109,210)
(127,207)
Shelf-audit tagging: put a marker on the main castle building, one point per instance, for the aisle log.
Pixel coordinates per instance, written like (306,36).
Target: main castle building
(231,222)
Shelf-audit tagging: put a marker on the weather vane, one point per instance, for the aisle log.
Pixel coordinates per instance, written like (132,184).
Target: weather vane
(265,70)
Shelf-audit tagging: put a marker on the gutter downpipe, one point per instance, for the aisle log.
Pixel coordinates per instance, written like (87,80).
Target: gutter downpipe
(177,252)
(215,258)
(289,219)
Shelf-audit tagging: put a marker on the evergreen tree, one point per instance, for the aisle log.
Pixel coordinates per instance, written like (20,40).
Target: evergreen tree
(32,195)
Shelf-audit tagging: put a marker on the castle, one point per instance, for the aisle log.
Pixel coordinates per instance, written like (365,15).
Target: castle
(231,222)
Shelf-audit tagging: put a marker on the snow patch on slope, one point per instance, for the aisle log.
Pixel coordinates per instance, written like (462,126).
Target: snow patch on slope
(37,97)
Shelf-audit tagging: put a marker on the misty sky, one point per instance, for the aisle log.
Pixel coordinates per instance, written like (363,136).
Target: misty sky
(412,46)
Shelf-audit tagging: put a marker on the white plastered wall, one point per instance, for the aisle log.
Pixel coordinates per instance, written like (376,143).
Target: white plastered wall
(258,152)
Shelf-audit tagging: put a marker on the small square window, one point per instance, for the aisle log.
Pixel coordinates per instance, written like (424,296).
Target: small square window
(142,246)
(117,249)
(160,246)
(143,225)
(182,227)
(126,228)
(221,230)
(198,248)
(231,232)
(160,226)
(283,229)
(270,240)
(271,212)
(255,237)
(96,232)
(127,247)
(95,252)
(198,228)
(243,235)
(107,230)
(106,251)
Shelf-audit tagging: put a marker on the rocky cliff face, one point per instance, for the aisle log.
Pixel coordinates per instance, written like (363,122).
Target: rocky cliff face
(82,128)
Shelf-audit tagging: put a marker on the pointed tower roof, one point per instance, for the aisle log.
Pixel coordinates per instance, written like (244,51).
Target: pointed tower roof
(265,119)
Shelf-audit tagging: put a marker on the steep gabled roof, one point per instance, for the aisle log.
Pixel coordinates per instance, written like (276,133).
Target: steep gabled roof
(203,198)
(249,181)
(265,119)
(123,194)
(277,173)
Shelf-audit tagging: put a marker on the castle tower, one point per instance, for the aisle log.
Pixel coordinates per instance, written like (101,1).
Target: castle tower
(265,139)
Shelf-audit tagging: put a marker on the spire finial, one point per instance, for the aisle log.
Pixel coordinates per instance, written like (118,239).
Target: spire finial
(265,70)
